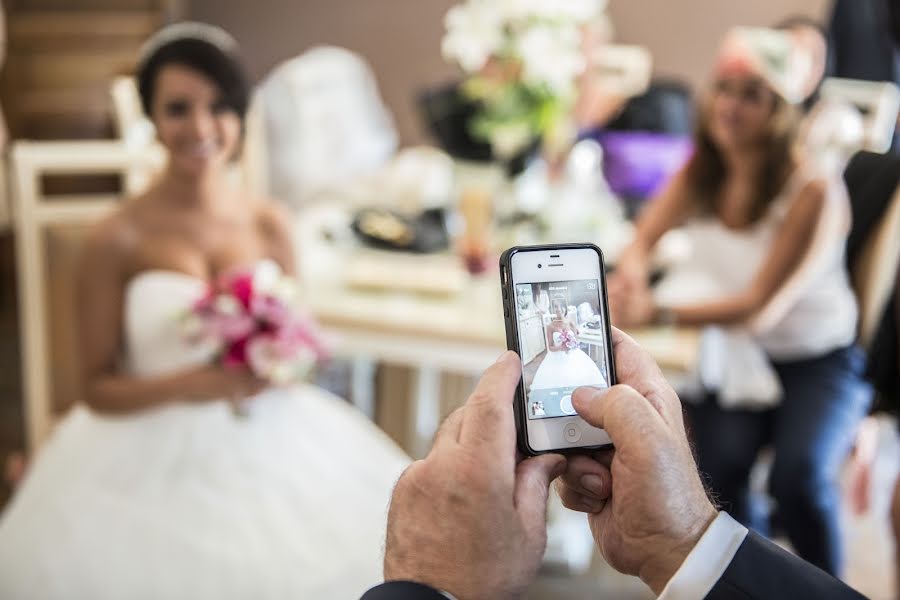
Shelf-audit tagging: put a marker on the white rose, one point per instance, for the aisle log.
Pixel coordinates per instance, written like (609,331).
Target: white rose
(474,33)
(580,11)
(227,305)
(551,56)
(265,277)
(509,139)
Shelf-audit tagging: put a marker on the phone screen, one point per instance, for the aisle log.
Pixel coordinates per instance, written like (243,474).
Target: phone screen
(562,343)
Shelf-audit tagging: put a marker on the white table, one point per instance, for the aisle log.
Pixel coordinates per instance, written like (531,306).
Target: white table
(461,333)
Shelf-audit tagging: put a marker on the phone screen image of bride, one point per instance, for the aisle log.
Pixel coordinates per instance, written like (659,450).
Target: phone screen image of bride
(562,341)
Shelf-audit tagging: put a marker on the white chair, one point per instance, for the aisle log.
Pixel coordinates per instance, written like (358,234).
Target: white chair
(323,124)
(34,218)
(878,103)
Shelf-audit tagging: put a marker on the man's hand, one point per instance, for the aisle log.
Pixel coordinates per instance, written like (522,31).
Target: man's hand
(468,519)
(658,508)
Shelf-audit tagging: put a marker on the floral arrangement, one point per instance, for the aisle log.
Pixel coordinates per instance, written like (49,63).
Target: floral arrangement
(569,339)
(252,320)
(522,59)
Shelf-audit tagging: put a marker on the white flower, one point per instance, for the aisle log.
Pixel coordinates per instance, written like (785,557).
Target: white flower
(474,33)
(507,140)
(287,291)
(551,56)
(227,304)
(269,280)
(265,277)
(578,11)
(581,11)
(267,358)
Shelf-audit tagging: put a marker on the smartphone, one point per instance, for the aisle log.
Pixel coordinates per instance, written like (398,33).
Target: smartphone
(557,320)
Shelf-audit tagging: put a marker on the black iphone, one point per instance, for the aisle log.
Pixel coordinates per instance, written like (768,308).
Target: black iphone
(557,320)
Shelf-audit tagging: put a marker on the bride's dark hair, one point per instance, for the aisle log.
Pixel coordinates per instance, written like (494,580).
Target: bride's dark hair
(215,62)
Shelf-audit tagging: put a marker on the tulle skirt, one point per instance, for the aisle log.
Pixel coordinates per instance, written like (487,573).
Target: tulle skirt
(192,501)
(565,369)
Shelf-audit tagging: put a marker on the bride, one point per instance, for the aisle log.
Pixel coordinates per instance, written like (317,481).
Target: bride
(565,363)
(156,488)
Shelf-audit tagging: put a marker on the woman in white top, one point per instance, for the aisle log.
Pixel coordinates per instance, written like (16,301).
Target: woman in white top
(156,488)
(767,281)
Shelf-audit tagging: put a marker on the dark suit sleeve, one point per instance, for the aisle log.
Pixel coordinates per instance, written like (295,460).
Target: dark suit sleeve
(403,590)
(761,570)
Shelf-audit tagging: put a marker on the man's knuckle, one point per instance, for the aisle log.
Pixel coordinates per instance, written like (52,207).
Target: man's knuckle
(480,397)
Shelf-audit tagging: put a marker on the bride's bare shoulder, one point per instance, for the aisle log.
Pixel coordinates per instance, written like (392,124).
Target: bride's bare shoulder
(272,215)
(274,225)
(114,237)
(274,221)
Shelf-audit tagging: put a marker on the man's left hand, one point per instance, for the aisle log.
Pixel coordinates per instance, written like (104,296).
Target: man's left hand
(470,519)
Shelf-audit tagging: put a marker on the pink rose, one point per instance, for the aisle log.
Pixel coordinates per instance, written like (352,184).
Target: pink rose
(270,310)
(239,284)
(236,354)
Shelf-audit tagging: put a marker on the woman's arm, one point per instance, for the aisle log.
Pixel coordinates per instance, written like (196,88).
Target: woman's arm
(275,227)
(792,243)
(667,210)
(628,286)
(101,285)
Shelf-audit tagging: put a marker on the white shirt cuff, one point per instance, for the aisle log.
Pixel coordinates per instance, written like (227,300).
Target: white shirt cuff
(707,561)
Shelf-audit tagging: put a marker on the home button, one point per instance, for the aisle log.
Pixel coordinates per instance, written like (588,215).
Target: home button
(572,432)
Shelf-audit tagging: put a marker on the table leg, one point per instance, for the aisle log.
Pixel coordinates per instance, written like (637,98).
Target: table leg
(362,385)
(426,408)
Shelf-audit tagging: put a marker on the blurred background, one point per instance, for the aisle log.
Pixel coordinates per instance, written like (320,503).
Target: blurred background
(360,125)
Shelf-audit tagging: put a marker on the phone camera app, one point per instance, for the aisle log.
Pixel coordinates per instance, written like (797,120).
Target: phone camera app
(562,343)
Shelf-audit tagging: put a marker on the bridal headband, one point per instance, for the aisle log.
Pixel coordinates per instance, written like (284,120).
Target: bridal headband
(771,55)
(188,30)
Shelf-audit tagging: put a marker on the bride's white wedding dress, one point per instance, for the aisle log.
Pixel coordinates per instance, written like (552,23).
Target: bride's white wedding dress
(189,500)
(567,368)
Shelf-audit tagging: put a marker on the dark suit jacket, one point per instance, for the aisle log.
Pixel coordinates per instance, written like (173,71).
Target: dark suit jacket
(403,590)
(759,571)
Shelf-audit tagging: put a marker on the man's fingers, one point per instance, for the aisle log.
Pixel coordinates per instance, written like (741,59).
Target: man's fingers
(448,433)
(533,477)
(605,457)
(488,416)
(587,477)
(575,500)
(620,410)
(586,485)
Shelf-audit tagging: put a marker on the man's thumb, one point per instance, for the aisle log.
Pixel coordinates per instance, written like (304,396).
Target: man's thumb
(533,477)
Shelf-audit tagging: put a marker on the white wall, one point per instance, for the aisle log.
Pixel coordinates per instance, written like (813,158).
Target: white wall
(683,35)
(401,38)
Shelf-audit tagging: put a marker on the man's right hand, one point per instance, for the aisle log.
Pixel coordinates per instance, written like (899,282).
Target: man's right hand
(658,509)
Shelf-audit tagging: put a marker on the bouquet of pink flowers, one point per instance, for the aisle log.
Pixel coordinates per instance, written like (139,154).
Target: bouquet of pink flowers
(252,319)
(569,339)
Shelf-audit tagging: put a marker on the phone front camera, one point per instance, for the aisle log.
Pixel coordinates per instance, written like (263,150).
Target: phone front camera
(539,265)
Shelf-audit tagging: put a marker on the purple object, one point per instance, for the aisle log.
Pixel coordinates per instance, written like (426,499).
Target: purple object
(637,163)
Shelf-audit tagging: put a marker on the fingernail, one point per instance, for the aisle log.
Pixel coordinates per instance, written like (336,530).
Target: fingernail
(586,393)
(593,484)
(505,356)
(591,505)
(559,468)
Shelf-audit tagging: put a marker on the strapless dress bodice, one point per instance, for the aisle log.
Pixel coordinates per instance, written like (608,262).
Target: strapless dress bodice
(156,302)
